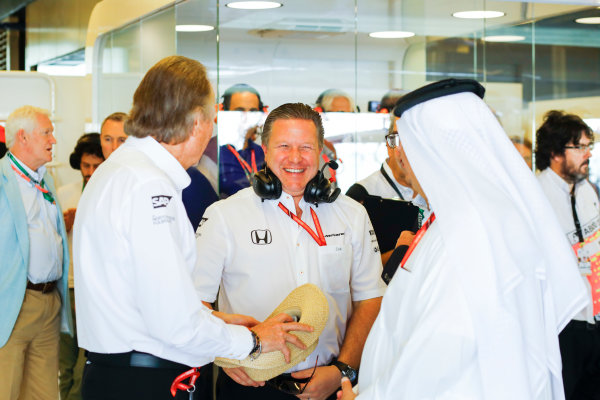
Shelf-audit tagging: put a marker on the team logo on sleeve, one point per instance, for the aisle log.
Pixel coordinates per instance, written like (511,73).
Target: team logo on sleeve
(261,236)
(161,201)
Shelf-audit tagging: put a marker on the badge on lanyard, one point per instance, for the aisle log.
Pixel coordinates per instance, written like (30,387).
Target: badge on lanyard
(588,257)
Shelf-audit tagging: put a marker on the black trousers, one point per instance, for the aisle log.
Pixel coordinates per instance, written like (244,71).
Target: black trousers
(228,389)
(580,352)
(102,382)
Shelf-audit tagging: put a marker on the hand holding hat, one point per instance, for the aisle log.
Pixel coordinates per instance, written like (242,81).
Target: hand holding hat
(308,305)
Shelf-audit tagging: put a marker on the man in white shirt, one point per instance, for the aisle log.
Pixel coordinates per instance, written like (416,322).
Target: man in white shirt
(86,157)
(389,182)
(563,149)
(35,261)
(138,314)
(288,230)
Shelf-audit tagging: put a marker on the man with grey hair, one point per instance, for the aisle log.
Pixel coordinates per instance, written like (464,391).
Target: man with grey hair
(138,314)
(35,261)
(289,229)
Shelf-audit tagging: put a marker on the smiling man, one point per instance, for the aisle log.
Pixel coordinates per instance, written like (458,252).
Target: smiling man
(564,144)
(291,228)
(34,261)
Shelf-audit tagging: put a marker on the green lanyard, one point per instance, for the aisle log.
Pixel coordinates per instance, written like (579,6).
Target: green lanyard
(25,175)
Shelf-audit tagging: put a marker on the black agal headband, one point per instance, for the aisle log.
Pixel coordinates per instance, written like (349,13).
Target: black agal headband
(437,89)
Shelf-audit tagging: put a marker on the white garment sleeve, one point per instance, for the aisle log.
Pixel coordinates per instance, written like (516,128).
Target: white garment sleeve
(163,256)
(213,248)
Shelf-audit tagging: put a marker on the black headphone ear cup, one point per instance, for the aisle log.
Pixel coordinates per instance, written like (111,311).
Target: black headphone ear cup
(266,184)
(317,189)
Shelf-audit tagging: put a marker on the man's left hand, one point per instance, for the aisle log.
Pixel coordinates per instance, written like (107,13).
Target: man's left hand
(324,382)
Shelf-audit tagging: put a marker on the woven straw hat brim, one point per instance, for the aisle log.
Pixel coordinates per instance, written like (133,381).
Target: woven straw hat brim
(309,304)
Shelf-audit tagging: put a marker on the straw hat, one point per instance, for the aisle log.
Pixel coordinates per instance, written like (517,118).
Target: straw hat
(309,306)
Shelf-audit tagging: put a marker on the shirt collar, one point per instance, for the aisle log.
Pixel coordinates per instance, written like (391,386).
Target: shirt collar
(560,182)
(288,201)
(162,158)
(37,175)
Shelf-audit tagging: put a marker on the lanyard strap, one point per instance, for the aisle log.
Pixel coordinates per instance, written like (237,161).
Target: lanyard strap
(575,218)
(417,239)
(319,237)
(245,166)
(331,170)
(387,178)
(22,172)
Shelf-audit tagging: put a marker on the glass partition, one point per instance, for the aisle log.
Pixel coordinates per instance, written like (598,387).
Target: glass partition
(532,57)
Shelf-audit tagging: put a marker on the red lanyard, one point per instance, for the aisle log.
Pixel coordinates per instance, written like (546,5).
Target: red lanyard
(417,239)
(243,162)
(319,237)
(23,174)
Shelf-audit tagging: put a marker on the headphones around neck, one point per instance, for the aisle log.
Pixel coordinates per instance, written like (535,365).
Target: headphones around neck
(318,190)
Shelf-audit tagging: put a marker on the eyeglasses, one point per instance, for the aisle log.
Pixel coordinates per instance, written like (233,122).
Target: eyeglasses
(582,147)
(393,140)
(289,385)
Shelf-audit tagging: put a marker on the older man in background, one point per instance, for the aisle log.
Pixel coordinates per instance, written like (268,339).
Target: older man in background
(35,261)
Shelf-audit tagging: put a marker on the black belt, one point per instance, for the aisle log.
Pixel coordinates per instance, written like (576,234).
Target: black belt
(45,287)
(133,359)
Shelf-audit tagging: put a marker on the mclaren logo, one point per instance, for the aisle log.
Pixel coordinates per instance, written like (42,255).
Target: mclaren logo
(261,236)
(160,201)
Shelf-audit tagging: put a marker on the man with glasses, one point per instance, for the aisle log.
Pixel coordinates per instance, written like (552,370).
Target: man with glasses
(564,144)
(382,190)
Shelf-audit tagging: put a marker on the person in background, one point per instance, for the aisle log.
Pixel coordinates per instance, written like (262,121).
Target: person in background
(34,296)
(236,166)
(523,146)
(112,133)
(389,100)
(389,182)
(86,157)
(563,150)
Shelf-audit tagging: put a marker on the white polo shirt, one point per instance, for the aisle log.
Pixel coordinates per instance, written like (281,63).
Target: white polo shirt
(258,255)
(588,212)
(68,197)
(134,253)
(377,185)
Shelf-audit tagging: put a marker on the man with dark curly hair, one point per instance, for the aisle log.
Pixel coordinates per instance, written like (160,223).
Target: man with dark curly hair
(563,151)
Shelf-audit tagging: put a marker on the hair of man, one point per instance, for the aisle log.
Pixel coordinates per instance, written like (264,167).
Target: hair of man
(88,143)
(116,116)
(293,111)
(326,98)
(23,118)
(558,130)
(172,94)
(239,88)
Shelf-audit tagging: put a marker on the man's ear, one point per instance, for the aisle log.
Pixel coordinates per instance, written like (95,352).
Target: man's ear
(557,157)
(21,136)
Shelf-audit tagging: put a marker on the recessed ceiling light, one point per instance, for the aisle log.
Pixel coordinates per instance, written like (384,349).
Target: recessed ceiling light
(588,20)
(503,38)
(253,5)
(391,34)
(193,28)
(478,14)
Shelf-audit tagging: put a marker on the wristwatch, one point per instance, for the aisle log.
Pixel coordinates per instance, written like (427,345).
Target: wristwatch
(346,370)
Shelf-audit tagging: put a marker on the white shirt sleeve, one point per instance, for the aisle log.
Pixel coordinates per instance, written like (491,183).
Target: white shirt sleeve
(162,256)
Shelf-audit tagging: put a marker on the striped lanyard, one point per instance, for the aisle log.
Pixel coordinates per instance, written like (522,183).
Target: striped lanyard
(319,237)
(25,175)
(245,166)
(417,239)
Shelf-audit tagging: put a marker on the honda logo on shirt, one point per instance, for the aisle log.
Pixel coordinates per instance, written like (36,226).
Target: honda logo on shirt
(261,236)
